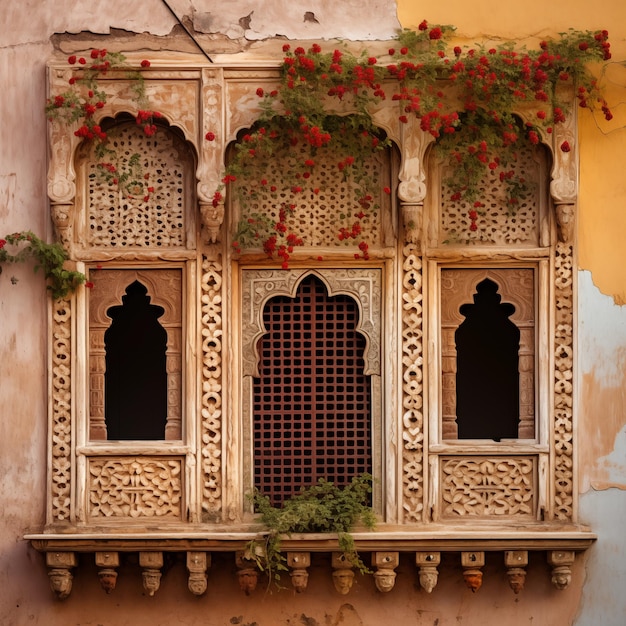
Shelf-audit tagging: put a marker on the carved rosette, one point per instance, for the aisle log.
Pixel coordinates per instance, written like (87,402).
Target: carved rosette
(563,388)
(61,474)
(211,318)
(412,386)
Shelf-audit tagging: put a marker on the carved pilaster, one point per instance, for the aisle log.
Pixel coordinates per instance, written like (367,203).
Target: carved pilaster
(415,142)
(412,387)
(564,184)
(211,411)
(428,574)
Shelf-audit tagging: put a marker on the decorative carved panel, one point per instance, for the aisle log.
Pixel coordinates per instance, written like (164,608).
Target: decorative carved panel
(135,488)
(364,285)
(515,286)
(319,217)
(412,386)
(61,472)
(563,387)
(165,288)
(211,433)
(474,487)
(497,224)
(121,216)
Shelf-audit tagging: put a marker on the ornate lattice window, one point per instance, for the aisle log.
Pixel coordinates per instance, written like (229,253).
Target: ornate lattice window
(311,410)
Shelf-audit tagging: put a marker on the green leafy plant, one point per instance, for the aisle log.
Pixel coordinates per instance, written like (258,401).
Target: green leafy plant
(320,508)
(49,257)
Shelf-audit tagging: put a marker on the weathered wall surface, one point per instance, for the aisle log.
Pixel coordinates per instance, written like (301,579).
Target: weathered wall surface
(595,596)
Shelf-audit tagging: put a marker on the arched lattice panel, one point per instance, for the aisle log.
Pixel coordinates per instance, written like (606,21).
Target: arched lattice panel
(330,199)
(138,196)
(512,208)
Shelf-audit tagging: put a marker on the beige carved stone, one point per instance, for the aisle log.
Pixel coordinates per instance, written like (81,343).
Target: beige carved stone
(298,563)
(412,386)
(516,561)
(561,562)
(428,573)
(385,575)
(151,562)
(197,564)
(247,572)
(343,573)
(60,565)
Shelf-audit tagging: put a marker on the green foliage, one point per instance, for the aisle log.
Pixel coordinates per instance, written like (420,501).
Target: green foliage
(49,257)
(320,508)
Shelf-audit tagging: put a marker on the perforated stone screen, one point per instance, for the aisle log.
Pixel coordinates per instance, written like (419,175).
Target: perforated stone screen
(123,216)
(312,401)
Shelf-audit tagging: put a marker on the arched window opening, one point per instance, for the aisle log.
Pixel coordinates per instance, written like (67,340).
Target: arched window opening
(487,379)
(136,374)
(312,400)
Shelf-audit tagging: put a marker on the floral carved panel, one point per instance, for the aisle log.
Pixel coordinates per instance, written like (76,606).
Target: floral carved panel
(135,487)
(474,487)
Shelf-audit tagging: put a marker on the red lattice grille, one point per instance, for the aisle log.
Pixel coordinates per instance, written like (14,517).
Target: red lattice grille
(312,401)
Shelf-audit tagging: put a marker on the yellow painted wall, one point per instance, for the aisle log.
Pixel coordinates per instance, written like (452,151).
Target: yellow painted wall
(602,197)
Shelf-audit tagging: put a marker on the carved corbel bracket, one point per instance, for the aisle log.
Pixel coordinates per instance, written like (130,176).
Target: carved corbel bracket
(107,562)
(385,564)
(428,574)
(515,562)
(564,184)
(197,564)
(298,562)
(343,573)
(60,565)
(212,218)
(247,572)
(561,562)
(151,562)
(471,562)
(415,142)
(566,222)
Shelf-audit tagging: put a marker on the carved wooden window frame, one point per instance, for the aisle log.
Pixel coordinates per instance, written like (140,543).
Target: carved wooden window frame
(366,287)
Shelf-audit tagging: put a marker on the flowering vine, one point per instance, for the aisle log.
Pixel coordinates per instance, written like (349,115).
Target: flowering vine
(50,257)
(465,97)
(85,96)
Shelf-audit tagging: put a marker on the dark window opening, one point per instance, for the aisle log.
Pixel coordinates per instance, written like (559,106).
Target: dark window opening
(487,379)
(135,380)
(312,400)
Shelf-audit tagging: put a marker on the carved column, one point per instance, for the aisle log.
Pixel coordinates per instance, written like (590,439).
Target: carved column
(561,562)
(343,573)
(298,562)
(428,574)
(151,562)
(107,562)
(60,565)
(197,563)
(472,573)
(385,563)
(515,562)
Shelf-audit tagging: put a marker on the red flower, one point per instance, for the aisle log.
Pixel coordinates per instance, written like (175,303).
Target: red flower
(565,147)
(583,45)
(316,48)
(89,284)
(95,54)
(423,25)
(371,61)
(259,92)
(286,47)
(145,63)
(3,242)
(457,51)
(387,190)
(82,61)
(210,136)
(533,137)
(391,51)
(435,33)
(404,50)
(71,60)
(473,226)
